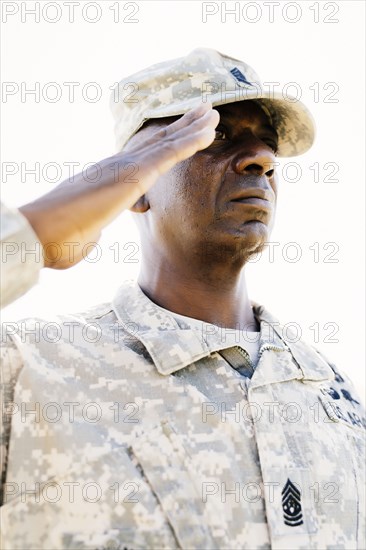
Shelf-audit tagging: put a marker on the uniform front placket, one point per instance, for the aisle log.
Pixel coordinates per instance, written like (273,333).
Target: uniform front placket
(285,474)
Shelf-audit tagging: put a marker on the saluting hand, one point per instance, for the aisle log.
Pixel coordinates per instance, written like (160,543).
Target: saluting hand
(77,211)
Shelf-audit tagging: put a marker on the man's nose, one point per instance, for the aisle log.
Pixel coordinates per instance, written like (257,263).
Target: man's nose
(259,162)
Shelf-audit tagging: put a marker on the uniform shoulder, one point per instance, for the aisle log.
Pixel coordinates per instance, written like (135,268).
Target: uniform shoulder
(54,327)
(342,394)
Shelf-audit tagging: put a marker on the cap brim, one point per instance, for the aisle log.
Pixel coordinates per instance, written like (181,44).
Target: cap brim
(292,121)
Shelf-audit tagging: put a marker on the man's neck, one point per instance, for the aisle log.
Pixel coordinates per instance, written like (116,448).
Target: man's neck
(220,303)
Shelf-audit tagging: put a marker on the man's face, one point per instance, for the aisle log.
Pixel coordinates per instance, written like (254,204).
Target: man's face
(222,200)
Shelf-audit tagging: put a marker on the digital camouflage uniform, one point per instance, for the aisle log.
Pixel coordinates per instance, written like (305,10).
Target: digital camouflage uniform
(16,236)
(125,428)
(144,436)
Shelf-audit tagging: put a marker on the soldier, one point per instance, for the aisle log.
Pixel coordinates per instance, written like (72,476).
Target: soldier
(180,415)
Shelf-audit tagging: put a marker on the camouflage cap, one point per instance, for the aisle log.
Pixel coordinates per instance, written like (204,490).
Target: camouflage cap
(174,87)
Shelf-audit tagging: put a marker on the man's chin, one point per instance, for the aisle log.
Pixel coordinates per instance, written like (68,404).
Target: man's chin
(251,239)
(238,250)
(253,232)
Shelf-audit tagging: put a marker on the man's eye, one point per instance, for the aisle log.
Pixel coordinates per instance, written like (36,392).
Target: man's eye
(220,135)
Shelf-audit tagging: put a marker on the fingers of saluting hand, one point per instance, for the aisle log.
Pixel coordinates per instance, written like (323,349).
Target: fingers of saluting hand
(176,142)
(200,117)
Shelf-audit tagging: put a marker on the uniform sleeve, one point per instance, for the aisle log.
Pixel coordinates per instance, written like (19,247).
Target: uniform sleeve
(10,365)
(20,253)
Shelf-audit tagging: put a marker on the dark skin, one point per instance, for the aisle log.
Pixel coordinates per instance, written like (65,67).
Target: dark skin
(196,238)
(196,234)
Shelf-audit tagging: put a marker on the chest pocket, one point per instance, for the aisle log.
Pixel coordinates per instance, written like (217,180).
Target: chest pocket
(346,422)
(105,502)
(143,496)
(167,467)
(313,467)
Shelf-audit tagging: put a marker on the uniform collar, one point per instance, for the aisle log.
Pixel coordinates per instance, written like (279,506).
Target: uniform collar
(173,345)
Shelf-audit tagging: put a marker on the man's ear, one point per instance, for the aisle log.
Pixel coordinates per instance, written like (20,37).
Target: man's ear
(141,205)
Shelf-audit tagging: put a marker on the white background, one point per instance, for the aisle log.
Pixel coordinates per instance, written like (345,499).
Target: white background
(315,54)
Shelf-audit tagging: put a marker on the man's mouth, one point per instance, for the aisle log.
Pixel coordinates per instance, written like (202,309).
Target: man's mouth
(255,195)
(254,201)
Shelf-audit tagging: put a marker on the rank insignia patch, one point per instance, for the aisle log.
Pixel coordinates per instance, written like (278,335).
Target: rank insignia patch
(238,75)
(291,504)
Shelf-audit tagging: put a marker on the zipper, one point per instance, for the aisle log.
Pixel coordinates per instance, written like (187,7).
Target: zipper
(265,347)
(269,346)
(246,356)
